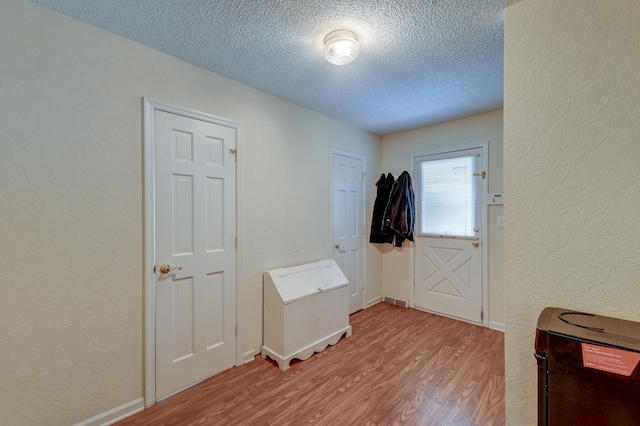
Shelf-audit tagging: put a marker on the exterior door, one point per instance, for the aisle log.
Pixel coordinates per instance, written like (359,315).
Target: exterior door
(348,226)
(448,263)
(195,250)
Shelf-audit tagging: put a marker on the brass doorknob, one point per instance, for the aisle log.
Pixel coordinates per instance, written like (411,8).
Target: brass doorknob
(475,243)
(165,268)
(338,246)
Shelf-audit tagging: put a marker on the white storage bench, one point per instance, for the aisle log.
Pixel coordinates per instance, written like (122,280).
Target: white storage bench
(306,308)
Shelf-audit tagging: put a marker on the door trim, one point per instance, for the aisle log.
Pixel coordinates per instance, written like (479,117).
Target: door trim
(335,151)
(148,276)
(484,145)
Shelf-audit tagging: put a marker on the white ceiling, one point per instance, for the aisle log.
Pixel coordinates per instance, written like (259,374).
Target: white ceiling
(421,61)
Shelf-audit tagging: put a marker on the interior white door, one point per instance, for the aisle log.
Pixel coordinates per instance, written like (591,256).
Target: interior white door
(195,236)
(448,256)
(348,227)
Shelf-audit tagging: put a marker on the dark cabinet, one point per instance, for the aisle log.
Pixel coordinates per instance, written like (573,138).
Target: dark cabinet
(588,370)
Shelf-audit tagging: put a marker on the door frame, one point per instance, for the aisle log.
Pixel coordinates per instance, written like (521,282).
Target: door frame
(150,106)
(332,152)
(484,146)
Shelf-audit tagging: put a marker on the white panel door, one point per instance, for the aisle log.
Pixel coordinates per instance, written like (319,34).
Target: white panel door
(348,227)
(448,256)
(195,236)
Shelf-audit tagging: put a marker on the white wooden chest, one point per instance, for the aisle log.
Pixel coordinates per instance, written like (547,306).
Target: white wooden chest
(306,308)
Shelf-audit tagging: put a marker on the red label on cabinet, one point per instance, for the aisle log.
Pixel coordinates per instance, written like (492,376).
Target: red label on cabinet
(612,360)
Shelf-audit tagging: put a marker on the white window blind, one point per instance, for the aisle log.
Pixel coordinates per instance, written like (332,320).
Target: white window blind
(449,196)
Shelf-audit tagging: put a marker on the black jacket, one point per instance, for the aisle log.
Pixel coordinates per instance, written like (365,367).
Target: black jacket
(400,213)
(379,235)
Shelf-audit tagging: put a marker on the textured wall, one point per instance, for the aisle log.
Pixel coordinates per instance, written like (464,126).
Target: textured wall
(396,157)
(572,124)
(71,311)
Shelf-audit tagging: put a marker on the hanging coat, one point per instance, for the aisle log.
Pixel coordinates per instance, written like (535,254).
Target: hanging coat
(379,235)
(400,213)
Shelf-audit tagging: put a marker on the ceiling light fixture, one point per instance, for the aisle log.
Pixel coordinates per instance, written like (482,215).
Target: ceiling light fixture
(341,47)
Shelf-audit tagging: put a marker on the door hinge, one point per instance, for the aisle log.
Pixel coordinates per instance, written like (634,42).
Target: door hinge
(236,242)
(236,330)
(481,314)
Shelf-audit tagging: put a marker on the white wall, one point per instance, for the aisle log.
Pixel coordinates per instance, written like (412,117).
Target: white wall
(571,154)
(396,157)
(71,340)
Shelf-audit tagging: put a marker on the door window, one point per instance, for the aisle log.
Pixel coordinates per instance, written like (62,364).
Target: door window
(448,189)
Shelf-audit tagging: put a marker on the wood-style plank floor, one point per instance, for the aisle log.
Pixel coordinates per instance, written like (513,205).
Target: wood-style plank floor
(401,367)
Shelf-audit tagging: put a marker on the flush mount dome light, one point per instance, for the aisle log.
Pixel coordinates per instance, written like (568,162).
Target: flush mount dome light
(341,47)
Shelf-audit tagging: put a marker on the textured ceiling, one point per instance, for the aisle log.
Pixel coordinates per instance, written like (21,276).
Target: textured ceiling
(421,61)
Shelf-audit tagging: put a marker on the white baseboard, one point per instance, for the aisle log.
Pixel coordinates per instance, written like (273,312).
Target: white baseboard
(496,326)
(249,356)
(372,302)
(115,414)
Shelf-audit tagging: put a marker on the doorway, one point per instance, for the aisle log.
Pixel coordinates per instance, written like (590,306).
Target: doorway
(450,232)
(347,222)
(191,292)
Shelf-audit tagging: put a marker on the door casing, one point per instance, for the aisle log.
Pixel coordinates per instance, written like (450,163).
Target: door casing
(149,108)
(484,145)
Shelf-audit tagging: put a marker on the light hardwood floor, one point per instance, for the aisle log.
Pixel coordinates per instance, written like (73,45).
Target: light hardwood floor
(400,367)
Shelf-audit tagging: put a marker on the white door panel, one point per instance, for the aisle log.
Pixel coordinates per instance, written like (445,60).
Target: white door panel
(448,277)
(195,233)
(347,193)
(448,256)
